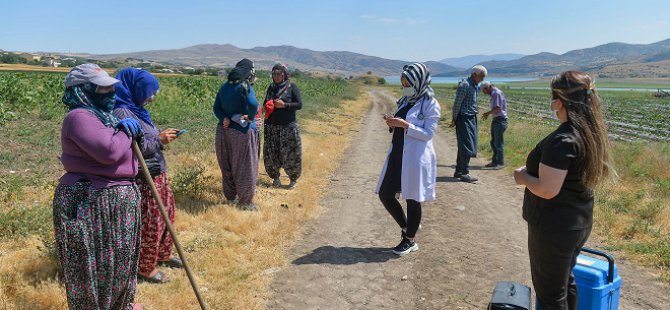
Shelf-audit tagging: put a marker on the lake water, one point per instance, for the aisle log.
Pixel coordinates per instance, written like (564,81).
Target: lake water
(395,80)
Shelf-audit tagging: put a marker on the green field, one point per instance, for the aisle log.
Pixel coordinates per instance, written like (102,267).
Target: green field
(31,113)
(605,83)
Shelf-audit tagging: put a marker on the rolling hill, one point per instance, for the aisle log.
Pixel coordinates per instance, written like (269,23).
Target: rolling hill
(606,58)
(226,55)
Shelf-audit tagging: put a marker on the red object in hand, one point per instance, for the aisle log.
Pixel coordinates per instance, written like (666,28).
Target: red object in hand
(269,107)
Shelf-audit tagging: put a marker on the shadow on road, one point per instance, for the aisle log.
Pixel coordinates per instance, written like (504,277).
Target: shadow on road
(345,256)
(446,180)
(471,167)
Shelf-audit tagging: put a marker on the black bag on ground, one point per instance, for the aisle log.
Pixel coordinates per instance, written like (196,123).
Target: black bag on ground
(510,296)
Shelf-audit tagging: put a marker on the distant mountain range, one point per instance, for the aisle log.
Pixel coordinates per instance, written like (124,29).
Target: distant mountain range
(226,55)
(616,60)
(471,60)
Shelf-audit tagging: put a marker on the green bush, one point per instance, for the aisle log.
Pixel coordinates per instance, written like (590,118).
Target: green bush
(189,181)
(24,221)
(11,188)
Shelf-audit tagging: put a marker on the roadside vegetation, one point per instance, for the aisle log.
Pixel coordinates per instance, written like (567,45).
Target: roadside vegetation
(632,213)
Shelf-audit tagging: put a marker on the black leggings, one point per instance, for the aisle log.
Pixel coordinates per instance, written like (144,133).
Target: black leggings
(552,257)
(411,222)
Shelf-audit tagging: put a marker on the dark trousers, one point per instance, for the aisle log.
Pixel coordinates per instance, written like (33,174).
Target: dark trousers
(466,140)
(387,193)
(498,127)
(553,255)
(282,149)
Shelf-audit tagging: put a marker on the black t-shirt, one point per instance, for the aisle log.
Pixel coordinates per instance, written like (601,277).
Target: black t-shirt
(394,165)
(572,208)
(399,133)
(293,102)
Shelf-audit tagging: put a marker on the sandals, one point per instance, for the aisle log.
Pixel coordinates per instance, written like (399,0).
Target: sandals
(158,278)
(173,262)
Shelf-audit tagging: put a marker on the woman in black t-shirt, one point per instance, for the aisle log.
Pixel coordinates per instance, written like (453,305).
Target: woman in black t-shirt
(560,175)
(282,147)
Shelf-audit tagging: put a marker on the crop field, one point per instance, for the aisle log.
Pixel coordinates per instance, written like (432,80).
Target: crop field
(31,112)
(630,115)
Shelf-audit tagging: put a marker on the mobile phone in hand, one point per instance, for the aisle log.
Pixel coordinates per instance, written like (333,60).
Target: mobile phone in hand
(180,132)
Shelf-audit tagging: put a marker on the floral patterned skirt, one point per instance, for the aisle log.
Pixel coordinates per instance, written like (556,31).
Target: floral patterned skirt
(156,239)
(98,236)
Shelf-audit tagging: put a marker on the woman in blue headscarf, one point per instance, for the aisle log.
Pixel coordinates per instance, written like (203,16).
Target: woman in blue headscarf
(137,89)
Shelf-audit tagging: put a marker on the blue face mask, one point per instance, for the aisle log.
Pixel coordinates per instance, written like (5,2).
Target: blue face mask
(105,102)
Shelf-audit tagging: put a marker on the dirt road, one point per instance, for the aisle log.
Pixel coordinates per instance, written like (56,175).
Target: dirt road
(472,237)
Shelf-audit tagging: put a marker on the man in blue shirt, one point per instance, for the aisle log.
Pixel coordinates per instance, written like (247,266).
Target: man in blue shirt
(498,106)
(464,118)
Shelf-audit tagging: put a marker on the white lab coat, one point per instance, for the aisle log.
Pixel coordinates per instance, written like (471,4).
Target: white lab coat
(419,162)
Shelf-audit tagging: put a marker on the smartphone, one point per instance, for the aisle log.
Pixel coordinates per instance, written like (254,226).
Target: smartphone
(181,132)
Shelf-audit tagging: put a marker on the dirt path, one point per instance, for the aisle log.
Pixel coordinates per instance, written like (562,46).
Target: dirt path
(472,237)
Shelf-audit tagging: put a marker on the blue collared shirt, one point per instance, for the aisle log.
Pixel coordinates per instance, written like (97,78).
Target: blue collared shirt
(466,99)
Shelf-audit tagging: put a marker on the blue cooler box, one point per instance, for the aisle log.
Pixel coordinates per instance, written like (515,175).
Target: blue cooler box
(598,282)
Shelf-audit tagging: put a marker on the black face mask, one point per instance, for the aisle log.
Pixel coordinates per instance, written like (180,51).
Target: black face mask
(104,102)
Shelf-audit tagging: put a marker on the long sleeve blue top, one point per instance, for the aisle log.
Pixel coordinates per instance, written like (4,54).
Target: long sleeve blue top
(230,100)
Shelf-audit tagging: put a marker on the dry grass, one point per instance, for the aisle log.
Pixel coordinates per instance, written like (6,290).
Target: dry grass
(228,249)
(21,67)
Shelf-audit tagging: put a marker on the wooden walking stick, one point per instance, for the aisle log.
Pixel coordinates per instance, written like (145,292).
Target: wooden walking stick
(166,219)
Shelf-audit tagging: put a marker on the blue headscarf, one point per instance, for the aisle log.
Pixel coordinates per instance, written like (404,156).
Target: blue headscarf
(136,87)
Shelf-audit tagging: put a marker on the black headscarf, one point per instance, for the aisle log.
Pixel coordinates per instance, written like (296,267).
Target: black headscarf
(275,90)
(244,73)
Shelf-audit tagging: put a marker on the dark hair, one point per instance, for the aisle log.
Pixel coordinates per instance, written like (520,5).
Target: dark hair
(577,92)
(282,69)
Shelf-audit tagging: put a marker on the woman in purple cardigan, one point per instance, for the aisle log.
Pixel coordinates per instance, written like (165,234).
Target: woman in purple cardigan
(96,204)
(137,89)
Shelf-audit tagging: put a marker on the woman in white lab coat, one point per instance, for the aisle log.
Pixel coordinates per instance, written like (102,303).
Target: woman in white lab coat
(411,164)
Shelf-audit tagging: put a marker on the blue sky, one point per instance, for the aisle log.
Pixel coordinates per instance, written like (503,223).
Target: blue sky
(406,30)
